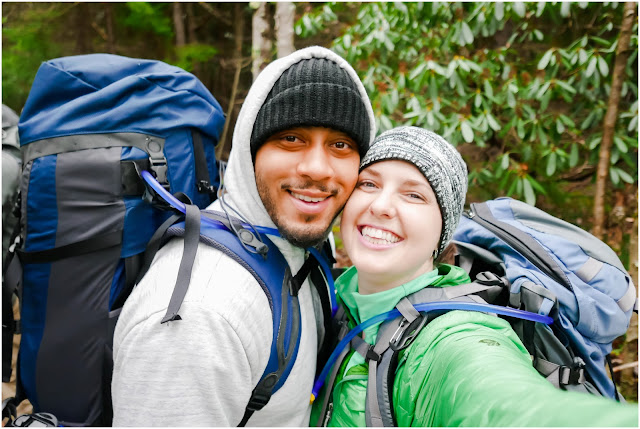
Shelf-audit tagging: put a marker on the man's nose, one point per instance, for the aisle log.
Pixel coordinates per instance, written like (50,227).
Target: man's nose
(316,163)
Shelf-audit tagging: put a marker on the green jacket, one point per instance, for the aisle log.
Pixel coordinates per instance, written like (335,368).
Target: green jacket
(464,369)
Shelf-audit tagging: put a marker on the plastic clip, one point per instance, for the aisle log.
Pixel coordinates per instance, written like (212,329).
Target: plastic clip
(406,333)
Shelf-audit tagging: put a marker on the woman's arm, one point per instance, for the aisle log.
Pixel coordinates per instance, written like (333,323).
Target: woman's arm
(470,369)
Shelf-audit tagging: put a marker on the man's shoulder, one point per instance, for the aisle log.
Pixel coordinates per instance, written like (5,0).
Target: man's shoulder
(218,284)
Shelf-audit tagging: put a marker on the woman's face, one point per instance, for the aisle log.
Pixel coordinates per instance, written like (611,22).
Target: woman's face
(391,225)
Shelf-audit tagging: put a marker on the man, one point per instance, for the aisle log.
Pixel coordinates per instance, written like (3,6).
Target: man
(297,145)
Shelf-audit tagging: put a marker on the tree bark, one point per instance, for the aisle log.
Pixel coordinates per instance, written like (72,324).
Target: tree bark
(608,129)
(192,25)
(83,24)
(238,35)
(111,39)
(261,43)
(192,38)
(178,25)
(284,18)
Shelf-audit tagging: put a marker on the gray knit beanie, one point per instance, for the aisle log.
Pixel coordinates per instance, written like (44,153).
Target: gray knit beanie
(437,159)
(313,92)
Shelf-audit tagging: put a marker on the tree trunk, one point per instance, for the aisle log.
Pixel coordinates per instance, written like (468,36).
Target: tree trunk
(193,37)
(192,25)
(238,35)
(608,129)
(178,25)
(111,39)
(261,42)
(82,22)
(284,17)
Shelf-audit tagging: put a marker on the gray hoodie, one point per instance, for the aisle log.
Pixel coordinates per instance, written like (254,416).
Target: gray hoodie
(201,370)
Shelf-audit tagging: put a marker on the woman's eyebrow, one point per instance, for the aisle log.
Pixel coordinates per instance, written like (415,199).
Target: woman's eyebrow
(415,183)
(371,171)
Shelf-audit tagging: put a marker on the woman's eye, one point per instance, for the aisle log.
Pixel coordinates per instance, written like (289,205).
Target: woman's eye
(416,196)
(366,184)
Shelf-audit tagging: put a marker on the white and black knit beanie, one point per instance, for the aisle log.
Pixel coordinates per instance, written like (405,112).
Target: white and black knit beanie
(313,92)
(437,159)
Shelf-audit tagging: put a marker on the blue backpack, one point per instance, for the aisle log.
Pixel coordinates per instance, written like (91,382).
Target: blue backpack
(91,126)
(559,270)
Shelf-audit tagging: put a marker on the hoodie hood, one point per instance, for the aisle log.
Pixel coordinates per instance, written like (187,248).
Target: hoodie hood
(239,179)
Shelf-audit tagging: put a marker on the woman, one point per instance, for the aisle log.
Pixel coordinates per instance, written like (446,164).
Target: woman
(464,368)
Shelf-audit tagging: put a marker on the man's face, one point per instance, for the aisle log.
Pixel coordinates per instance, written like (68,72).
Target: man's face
(304,177)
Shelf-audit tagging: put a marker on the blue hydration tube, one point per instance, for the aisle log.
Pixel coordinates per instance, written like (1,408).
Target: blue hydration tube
(424,307)
(179,205)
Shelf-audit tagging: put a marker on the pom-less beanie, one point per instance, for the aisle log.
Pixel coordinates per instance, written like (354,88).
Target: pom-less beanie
(314,92)
(437,159)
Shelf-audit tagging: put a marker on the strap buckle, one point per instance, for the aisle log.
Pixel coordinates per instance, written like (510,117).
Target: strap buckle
(262,393)
(159,169)
(204,186)
(406,333)
(574,374)
(36,419)
(372,355)
(487,278)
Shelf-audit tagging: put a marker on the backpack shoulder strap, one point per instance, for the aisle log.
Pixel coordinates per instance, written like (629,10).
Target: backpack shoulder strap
(271,271)
(397,334)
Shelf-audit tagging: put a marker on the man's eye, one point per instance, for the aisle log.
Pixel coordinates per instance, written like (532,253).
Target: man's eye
(342,145)
(290,138)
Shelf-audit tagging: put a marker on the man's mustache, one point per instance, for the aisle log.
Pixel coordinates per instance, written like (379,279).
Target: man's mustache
(309,185)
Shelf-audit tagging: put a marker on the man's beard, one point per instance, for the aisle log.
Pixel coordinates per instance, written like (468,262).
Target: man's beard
(301,237)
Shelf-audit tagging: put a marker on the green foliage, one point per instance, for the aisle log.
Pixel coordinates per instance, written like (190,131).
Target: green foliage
(152,17)
(529,82)
(25,47)
(191,54)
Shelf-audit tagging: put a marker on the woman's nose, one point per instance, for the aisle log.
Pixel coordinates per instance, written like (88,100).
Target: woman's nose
(382,205)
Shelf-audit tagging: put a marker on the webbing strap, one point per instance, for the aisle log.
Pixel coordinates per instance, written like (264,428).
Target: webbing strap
(589,269)
(303,273)
(361,347)
(245,418)
(629,299)
(373,414)
(103,241)
(613,379)
(320,283)
(154,244)
(407,310)
(191,239)
(464,290)
(560,375)
(550,371)
(202,172)
(334,372)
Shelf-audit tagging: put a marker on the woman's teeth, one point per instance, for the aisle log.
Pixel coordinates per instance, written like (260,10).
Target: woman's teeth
(378,236)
